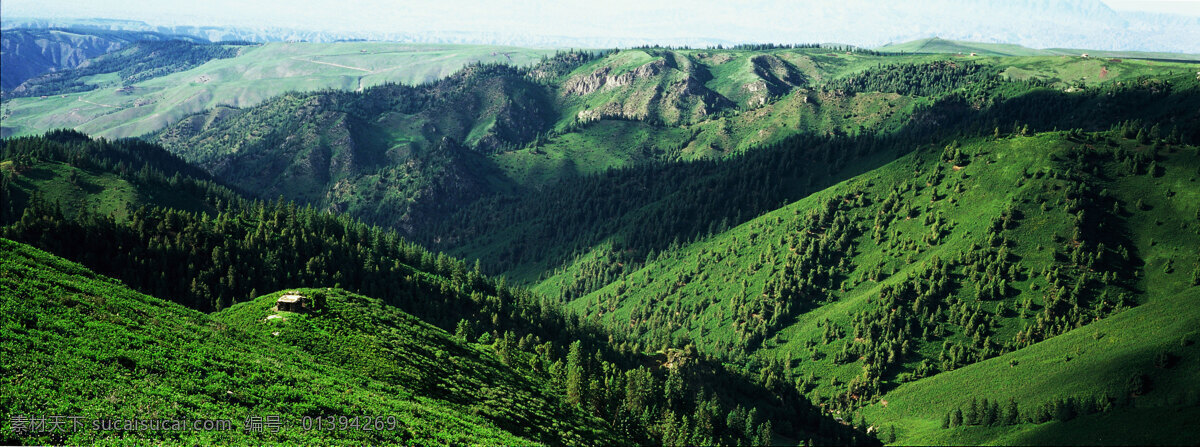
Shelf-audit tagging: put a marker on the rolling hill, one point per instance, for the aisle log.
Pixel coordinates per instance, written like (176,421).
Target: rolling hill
(753,245)
(936,45)
(218,255)
(887,234)
(258,72)
(516,131)
(28,53)
(82,344)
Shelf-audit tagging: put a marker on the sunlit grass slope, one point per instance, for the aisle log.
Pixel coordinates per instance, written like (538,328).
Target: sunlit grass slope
(79,344)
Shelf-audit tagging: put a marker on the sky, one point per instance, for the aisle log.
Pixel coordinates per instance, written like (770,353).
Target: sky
(1185,7)
(1037,23)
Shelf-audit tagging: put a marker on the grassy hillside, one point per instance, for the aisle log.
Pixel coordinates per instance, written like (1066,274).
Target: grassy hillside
(893,229)
(215,259)
(1156,340)
(644,208)
(937,45)
(113,179)
(256,74)
(766,237)
(80,344)
(1111,352)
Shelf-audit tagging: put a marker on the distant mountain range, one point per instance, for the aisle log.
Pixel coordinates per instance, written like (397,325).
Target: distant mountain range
(27,53)
(1031,23)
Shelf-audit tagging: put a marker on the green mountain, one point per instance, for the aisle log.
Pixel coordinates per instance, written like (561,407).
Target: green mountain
(407,157)
(754,245)
(29,53)
(984,252)
(937,45)
(81,344)
(218,258)
(112,105)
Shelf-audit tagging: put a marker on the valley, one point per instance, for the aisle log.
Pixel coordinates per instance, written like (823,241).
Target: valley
(933,242)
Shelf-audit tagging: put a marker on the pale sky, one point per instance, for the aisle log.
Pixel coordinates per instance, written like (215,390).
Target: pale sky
(1186,7)
(343,15)
(1072,23)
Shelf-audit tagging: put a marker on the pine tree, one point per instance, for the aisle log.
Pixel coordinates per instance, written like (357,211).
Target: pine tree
(765,436)
(1012,414)
(576,380)
(751,418)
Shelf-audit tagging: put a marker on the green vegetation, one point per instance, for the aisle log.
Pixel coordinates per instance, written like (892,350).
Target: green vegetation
(258,73)
(80,344)
(937,45)
(908,299)
(214,260)
(750,245)
(141,61)
(377,160)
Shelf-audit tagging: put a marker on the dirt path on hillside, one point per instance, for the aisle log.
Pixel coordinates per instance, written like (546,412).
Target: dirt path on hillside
(333,64)
(98,104)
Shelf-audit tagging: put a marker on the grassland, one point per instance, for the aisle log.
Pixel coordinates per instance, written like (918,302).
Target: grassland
(1101,357)
(79,344)
(256,74)
(700,292)
(937,45)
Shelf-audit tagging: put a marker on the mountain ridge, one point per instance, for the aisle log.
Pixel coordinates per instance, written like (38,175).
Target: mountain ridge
(1081,24)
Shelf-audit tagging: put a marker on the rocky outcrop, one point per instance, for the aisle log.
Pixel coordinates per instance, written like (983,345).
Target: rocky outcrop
(602,79)
(776,78)
(670,90)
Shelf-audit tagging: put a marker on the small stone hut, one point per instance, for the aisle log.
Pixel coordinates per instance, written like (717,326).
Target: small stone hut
(293,303)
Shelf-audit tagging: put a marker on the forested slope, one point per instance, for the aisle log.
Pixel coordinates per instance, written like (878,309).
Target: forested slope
(210,260)
(686,246)
(944,258)
(485,164)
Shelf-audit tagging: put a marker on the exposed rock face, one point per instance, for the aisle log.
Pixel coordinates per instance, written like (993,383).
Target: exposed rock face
(586,85)
(775,78)
(670,90)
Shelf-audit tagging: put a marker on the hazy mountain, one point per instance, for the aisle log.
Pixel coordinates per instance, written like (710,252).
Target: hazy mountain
(28,53)
(1034,23)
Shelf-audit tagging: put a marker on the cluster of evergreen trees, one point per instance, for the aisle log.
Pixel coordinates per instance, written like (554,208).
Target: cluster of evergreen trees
(209,260)
(992,414)
(814,267)
(927,79)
